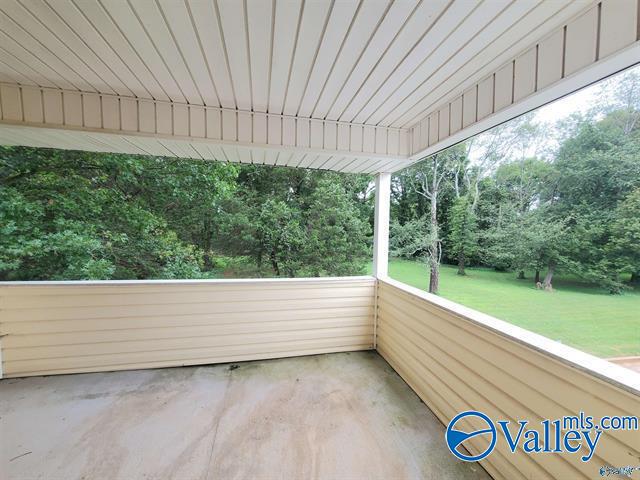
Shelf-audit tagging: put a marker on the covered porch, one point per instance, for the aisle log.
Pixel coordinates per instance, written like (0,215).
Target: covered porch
(381,367)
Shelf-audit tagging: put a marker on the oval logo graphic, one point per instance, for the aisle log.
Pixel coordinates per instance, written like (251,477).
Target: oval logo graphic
(456,438)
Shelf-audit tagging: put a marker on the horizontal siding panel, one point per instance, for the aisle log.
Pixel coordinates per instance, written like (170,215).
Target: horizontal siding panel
(168,321)
(100,326)
(455,364)
(437,402)
(225,357)
(155,342)
(68,313)
(511,357)
(119,287)
(26,304)
(193,356)
(452,399)
(30,341)
(464,372)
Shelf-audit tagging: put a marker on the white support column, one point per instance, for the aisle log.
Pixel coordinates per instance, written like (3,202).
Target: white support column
(381,225)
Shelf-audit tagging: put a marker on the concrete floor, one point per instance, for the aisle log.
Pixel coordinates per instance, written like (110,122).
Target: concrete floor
(337,416)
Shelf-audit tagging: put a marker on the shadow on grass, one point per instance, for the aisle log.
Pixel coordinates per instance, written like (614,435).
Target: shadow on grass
(560,283)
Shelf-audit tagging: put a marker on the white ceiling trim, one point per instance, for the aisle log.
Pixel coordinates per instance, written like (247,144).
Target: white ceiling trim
(196,148)
(111,113)
(72,120)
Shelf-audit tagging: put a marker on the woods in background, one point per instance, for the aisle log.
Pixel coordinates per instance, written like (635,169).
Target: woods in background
(67,215)
(512,199)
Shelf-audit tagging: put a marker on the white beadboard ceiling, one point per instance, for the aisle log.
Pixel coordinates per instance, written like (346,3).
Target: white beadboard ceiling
(346,85)
(371,62)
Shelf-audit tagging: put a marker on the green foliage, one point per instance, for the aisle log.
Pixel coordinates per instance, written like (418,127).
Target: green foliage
(623,247)
(299,223)
(462,241)
(337,240)
(77,215)
(409,240)
(575,211)
(525,183)
(68,215)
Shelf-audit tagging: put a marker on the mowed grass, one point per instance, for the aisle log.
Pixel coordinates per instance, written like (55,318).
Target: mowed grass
(576,314)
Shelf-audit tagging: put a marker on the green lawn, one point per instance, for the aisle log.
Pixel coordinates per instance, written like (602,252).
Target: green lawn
(575,314)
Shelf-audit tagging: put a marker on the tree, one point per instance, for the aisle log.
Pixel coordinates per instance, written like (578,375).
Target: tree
(302,222)
(463,235)
(337,240)
(428,179)
(624,244)
(619,98)
(597,170)
(409,240)
(80,215)
(516,232)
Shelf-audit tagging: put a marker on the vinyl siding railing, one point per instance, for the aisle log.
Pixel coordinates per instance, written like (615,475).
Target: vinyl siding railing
(69,327)
(454,358)
(457,359)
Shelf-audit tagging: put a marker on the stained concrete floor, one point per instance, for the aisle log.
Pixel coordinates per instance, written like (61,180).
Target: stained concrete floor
(337,416)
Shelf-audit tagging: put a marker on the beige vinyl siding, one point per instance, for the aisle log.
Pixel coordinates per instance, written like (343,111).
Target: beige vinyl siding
(68,327)
(455,362)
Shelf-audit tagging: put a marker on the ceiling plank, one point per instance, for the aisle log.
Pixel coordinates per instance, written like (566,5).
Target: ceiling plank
(152,19)
(476,63)
(285,32)
(106,27)
(368,18)
(409,38)
(127,21)
(393,22)
(179,21)
(234,30)
(27,30)
(455,13)
(340,20)
(35,67)
(260,23)
(73,40)
(314,21)
(459,37)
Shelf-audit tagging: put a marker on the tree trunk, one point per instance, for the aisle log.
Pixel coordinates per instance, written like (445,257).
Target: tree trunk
(434,249)
(208,260)
(434,278)
(549,277)
(635,278)
(461,261)
(537,279)
(521,275)
(274,263)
